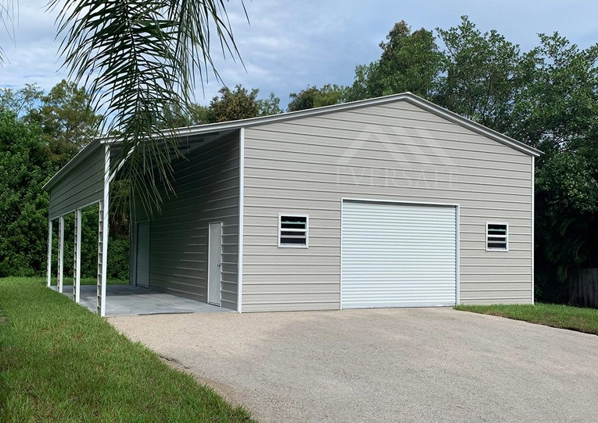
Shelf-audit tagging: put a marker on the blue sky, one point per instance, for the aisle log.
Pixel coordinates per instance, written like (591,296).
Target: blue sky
(290,44)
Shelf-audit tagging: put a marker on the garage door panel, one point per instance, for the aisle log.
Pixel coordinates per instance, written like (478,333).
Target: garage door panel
(411,255)
(392,303)
(382,289)
(417,273)
(398,255)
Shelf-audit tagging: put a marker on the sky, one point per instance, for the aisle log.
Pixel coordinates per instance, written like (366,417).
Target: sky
(288,45)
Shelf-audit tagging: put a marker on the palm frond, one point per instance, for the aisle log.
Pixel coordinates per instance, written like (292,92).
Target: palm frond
(138,59)
(7,17)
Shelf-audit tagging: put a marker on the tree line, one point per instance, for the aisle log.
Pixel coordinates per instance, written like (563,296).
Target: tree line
(545,97)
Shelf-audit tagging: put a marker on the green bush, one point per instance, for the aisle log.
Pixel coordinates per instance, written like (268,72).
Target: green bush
(25,166)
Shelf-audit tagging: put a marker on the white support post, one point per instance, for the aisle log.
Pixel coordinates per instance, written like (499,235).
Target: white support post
(103,236)
(77,258)
(49,265)
(241,241)
(60,253)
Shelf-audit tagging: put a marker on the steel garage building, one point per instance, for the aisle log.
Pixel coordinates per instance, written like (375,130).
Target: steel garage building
(389,202)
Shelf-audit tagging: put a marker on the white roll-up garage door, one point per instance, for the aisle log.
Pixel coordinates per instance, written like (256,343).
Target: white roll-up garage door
(398,255)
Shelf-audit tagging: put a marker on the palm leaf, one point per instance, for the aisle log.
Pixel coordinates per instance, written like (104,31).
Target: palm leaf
(138,59)
(7,13)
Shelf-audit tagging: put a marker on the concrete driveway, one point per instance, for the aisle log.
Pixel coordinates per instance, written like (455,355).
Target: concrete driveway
(403,365)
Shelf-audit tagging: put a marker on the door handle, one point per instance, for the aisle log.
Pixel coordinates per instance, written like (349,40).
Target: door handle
(219,265)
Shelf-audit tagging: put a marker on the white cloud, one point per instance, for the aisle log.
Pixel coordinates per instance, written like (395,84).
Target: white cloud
(288,45)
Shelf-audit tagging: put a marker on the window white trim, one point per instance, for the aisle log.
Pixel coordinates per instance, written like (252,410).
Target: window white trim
(280,229)
(505,237)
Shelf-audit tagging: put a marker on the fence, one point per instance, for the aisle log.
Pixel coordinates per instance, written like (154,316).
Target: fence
(583,287)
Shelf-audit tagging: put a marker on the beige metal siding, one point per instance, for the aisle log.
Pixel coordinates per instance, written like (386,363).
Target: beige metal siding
(395,151)
(82,186)
(207,190)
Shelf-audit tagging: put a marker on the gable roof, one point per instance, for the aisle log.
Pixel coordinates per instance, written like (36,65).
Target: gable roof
(264,120)
(408,97)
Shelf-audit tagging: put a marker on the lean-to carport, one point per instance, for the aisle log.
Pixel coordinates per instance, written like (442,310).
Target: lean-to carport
(83,182)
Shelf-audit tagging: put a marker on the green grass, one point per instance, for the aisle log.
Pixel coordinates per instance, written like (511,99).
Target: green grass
(61,363)
(558,316)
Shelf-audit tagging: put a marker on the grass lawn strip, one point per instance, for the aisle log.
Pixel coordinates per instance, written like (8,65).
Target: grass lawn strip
(558,316)
(61,363)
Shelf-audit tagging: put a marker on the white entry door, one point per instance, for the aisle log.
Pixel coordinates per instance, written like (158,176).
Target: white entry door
(214,262)
(142,259)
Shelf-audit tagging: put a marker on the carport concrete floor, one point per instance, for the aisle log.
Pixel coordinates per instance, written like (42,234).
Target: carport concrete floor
(128,300)
(401,365)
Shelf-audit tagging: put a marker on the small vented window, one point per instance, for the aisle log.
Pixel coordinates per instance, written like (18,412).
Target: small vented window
(497,237)
(293,230)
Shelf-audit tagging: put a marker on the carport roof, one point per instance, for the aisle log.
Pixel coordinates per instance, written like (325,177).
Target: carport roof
(191,131)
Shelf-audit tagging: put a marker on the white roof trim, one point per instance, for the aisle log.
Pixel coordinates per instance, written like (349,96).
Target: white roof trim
(409,97)
(474,126)
(264,120)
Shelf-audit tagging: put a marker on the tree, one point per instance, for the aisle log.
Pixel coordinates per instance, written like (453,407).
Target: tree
(195,114)
(316,97)
(269,106)
(482,75)
(559,106)
(410,61)
(20,102)
(138,59)
(558,113)
(63,114)
(233,105)
(67,121)
(28,145)
(240,103)
(24,169)
(362,87)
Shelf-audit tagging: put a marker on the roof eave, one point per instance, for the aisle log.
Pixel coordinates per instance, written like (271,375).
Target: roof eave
(474,126)
(79,158)
(263,120)
(412,98)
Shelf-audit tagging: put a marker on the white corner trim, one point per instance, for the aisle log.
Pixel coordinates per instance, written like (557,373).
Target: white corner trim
(216,222)
(77,256)
(105,209)
(49,263)
(340,285)
(241,212)
(60,253)
(458,258)
(533,227)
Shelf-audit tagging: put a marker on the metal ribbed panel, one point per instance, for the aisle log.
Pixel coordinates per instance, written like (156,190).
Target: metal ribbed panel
(398,255)
(143,253)
(83,186)
(207,190)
